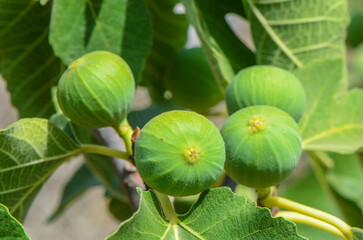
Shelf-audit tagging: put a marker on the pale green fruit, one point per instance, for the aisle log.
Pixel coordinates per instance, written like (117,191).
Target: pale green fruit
(179,153)
(96,90)
(263,146)
(266,85)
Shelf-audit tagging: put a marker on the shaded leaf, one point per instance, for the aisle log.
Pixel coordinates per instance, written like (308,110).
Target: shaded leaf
(332,120)
(27,61)
(291,34)
(30,151)
(169,34)
(120,209)
(10,228)
(345,180)
(226,53)
(141,117)
(231,218)
(118,26)
(81,181)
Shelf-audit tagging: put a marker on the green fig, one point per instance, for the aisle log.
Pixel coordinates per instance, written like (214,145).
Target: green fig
(263,146)
(191,81)
(96,90)
(179,153)
(266,85)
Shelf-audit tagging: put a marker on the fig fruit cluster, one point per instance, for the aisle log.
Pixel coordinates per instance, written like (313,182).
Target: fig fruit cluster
(182,153)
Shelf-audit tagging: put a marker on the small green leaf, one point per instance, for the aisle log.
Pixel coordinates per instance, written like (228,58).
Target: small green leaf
(231,218)
(291,34)
(27,61)
(30,151)
(81,181)
(357,233)
(119,26)
(226,53)
(332,120)
(10,228)
(169,34)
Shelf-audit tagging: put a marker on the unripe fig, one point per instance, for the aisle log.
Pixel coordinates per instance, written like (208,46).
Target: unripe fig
(266,85)
(179,153)
(96,90)
(263,146)
(192,82)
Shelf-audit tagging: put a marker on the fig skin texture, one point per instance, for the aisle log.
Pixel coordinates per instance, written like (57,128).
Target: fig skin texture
(266,85)
(97,90)
(263,146)
(191,81)
(180,153)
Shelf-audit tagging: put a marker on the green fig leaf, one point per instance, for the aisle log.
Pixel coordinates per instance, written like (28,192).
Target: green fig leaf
(27,61)
(332,120)
(357,234)
(118,26)
(30,151)
(81,181)
(10,228)
(231,218)
(226,53)
(291,34)
(169,35)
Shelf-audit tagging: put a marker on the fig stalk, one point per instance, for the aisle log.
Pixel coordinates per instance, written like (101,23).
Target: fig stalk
(167,208)
(125,132)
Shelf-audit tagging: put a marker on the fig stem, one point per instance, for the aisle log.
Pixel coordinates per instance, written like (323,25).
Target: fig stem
(303,219)
(308,211)
(167,208)
(125,131)
(107,151)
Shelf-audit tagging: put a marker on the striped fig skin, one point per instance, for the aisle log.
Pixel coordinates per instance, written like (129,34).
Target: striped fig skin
(96,90)
(266,85)
(265,154)
(179,153)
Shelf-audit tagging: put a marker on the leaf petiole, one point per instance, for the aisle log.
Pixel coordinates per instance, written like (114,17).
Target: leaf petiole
(107,151)
(308,211)
(303,219)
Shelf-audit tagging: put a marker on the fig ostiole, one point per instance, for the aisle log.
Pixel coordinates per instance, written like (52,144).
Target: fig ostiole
(266,85)
(179,153)
(263,146)
(191,81)
(96,90)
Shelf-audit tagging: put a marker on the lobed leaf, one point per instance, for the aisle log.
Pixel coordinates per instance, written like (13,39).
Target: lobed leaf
(10,228)
(30,151)
(27,61)
(119,26)
(291,34)
(218,214)
(226,53)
